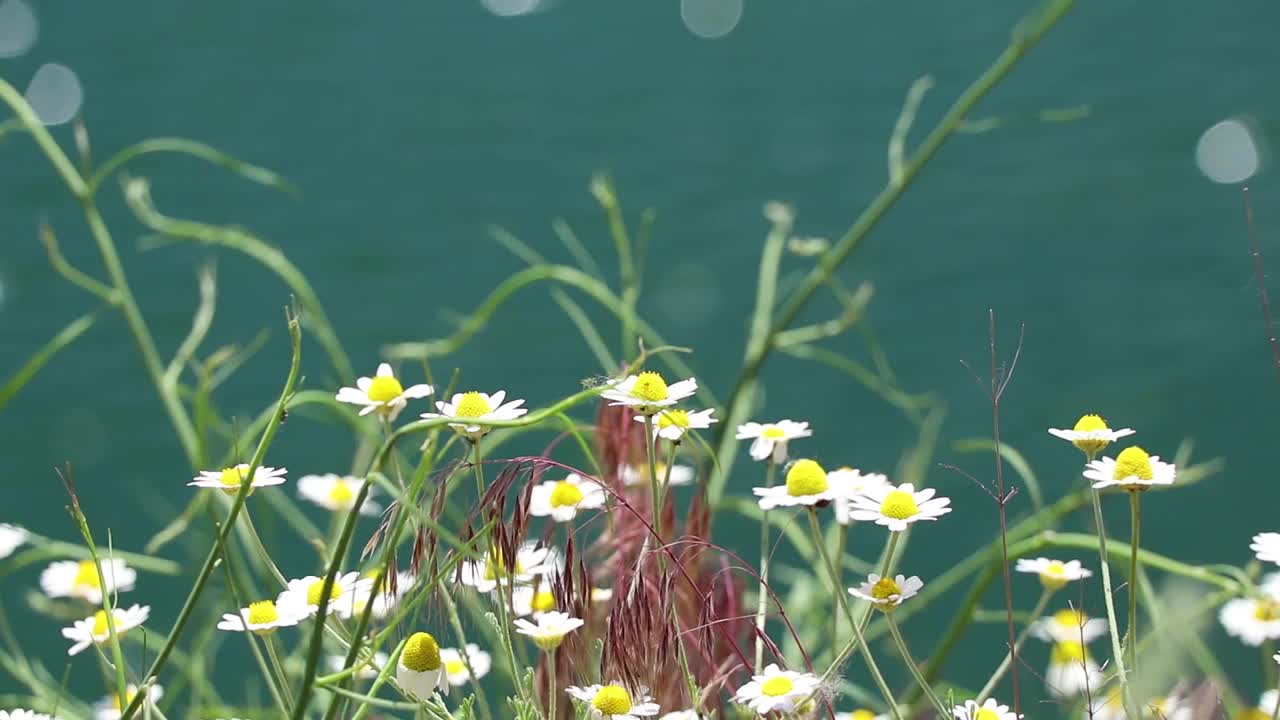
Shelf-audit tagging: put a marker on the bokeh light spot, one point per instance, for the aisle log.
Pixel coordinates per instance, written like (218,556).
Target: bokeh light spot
(1228,152)
(710,19)
(511,8)
(55,94)
(18,28)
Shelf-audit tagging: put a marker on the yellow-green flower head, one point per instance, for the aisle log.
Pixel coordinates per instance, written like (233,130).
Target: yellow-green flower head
(475,406)
(420,671)
(806,484)
(549,628)
(887,593)
(777,690)
(614,701)
(1133,470)
(263,617)
(897,506)
(95,630)
(648,393)
(230,479)
(1054,574)
(672,424)
(382,393)
(1090,434)
(1071,670)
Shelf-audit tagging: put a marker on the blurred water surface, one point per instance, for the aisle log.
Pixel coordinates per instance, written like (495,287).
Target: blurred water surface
(410,129)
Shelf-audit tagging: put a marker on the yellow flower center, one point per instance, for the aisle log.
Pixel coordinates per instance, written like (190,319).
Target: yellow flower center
(87,576)
(1267,611)
(806,477)
(232,478)
(1253,714)
(1089,423)
(1052,577)
(543,601)
(472,405)
(565,494)
(263,612)
(1070,618)
(1068,652)
(986,714)
(649,386)
(384,388)
(673,418)
(777,686)
(773,432)
(862,714)
(612,699)
(885,588)
(341,495)
(899,505)
(494,567)
(100,622)
(317,587)
(421,653)
(455,667)
(1135,462)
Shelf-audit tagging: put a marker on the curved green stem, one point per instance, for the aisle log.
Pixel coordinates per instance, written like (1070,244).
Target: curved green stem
(898,640)
(987,689)
(1134,506)
(844,605)
(1122,677)
(762,604)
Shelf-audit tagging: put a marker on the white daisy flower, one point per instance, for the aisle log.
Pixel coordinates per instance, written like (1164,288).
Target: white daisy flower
(336,492)
(477,406)
(455,666)
(989,710)
(861,714)
(11,536)
(79,579)
(229,479)
(1054,574)
(529,600)
(1108,706)
(93,630)
(1072,671)
(562,499)
(19,714)
(601,595)
(1090,434)
(263,617)
(688,715)
(849,482)
(419,670)
(770,439)
(672,424)
(647,393)
(897,507)
(887,593)
(108,708)
(1172,707)
(776,689)
(304,594)
(1133,469)
(614,702)
(368,668)
(1253,620)
(633,475)
(382,393)
(806,485)
(1265,547)
(550,628)
(1069,625)
(484,575)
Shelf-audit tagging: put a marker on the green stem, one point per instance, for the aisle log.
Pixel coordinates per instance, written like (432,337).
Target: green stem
(651,448)
(942,709)
(1117,652)
(1017,645)
(842,537)
(552,683)
(762,603)
(479,472)
(1135,507)
(210,561)
(451,609)
(269,641)
(844,605)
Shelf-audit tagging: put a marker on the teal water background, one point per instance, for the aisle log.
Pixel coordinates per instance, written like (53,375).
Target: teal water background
(410,128)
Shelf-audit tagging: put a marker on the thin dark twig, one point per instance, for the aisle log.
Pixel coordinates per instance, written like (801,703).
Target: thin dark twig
(1260,279)
(999,381)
